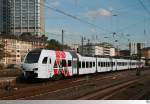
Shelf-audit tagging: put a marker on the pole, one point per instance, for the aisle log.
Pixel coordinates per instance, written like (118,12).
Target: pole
(82,46)
(88,46)
(62,39)
(138,73)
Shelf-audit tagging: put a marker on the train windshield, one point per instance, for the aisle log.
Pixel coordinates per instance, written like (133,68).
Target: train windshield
(33,56)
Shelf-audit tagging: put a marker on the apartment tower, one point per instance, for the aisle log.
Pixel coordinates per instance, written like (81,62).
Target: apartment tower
(20,16)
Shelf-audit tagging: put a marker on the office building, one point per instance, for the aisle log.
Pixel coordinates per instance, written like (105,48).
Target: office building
(1,14)
(100,49)
(135,48)
(21,16)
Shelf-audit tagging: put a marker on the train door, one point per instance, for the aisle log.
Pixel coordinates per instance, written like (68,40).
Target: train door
(74,66)
(111,64)
(75,59)
(44,68)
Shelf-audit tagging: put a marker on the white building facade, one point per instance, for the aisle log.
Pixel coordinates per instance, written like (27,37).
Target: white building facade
(134,48)
(102,49)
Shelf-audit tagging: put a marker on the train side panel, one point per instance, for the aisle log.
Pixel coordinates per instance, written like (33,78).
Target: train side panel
(104,65)
(87,65)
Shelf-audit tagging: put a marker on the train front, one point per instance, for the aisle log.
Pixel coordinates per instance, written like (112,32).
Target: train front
(30,64)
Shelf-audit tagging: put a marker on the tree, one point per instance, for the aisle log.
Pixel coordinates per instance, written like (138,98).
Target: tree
(55,45)
(26,36)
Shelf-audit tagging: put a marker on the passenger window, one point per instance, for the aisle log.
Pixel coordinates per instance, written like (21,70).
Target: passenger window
(64,64)
(44,60)
(50,61)
(79,64)
(87,65)
(83,64)
(114,63)
(99,64)
(107,64)
(104,64)
(90,64)
(69,63)
(55,64)
(93,64)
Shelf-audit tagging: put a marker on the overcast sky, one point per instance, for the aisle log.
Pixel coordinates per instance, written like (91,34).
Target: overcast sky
(97,20)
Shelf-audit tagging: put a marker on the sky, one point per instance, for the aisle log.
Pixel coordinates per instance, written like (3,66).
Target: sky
(99,21)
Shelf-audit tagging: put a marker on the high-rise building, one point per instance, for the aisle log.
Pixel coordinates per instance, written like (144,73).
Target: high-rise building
(21,16)
(1,15)
(135,48)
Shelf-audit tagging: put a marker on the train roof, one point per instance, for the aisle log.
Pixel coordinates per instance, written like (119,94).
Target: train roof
(75,55)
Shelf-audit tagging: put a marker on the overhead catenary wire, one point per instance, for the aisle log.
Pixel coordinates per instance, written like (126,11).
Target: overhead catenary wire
(75,17)
(144,7)
(87,22)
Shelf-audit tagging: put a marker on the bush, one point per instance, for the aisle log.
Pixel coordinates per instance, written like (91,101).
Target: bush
(13,66)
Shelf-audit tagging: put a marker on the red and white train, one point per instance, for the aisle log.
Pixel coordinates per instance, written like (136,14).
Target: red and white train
(44,64)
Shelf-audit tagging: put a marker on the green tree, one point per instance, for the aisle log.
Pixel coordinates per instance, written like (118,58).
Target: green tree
(55,45)
(27,36)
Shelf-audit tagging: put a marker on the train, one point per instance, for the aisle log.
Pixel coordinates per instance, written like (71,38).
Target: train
(48,64)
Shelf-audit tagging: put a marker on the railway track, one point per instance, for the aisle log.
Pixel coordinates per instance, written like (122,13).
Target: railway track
(112,90)
(54,91)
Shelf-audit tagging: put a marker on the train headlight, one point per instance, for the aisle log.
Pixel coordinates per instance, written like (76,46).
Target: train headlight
(35,69)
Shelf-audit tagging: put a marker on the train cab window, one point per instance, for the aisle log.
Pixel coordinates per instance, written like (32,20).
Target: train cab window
(79,64)
(33,56)
(64,64)
(83,64)
(69,63)
(45,60)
